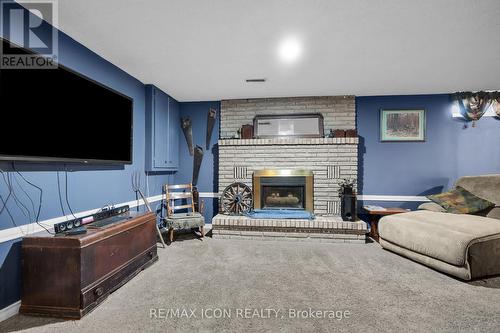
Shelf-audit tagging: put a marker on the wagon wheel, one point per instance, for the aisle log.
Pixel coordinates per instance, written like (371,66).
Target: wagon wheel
(236,199)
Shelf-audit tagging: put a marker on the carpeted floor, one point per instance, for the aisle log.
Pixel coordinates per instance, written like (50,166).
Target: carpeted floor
(370,289)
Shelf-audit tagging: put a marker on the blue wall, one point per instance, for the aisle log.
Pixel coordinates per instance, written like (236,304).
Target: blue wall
(207,180)
(420,168)
(478,149)
(90,187)
(385,168)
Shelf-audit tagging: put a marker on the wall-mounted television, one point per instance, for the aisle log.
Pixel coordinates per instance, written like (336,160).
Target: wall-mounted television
(58,115)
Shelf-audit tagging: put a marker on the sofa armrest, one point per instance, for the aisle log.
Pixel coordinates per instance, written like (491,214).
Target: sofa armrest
(494,213)
(432,206)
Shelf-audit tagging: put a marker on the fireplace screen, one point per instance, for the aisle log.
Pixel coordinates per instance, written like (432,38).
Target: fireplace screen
(283,189)
(289,197)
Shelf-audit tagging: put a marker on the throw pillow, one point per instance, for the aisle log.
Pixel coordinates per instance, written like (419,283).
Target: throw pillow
(460,201)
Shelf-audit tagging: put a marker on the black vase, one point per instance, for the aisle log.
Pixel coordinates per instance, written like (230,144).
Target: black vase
(348,207)
(347,190)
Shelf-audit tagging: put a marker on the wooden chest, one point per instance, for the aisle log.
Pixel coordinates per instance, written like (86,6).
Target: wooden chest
(67,276)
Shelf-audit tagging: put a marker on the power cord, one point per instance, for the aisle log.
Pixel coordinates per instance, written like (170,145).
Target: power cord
(26,194)
(60,196)
(36,187)
(66,192)
(24,210)
(37,218)
(5,201)
(8,212)
(8,196)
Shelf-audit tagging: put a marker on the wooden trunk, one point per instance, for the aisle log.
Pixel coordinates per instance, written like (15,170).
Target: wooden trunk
(68,276)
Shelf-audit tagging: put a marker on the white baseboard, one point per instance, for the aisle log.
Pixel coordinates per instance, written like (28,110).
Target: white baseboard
(401,198)
(209,195)
(10,311)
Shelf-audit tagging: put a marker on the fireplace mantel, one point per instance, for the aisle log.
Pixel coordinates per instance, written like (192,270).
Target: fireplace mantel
(289,141)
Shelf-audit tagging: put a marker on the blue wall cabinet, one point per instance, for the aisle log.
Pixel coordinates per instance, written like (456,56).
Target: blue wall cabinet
(162,131)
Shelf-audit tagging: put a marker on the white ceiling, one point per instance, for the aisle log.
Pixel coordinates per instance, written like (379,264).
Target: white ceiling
(204,50)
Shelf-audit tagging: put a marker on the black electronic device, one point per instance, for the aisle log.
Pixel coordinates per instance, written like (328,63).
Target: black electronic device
(68,117)
(348,207)
(77,231)
(64,227)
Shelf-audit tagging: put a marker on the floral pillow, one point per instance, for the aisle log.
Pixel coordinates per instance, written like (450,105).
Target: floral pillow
(460,201)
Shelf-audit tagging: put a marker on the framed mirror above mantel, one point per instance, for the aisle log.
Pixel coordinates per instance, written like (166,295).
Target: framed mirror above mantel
(288,126)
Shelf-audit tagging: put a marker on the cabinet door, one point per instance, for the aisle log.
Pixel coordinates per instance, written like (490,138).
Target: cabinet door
(160,136)
(174,125)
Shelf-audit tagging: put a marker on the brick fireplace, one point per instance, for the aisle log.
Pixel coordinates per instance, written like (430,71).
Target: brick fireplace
(260,162)
(329,159)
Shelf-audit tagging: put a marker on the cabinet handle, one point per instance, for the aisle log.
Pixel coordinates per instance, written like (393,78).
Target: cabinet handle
(98,291)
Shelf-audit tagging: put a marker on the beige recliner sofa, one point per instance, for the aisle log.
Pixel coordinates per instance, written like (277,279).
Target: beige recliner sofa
(463,245)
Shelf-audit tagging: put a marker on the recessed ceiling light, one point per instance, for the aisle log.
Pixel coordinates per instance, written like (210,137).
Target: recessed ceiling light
(290,50)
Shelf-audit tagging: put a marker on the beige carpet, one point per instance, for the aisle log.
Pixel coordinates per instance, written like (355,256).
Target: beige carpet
(249,282)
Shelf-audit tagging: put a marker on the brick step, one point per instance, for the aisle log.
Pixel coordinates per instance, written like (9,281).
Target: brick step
(322,226)
(289,236)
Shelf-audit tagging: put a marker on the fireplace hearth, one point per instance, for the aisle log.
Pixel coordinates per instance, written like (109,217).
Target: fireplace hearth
(283,189)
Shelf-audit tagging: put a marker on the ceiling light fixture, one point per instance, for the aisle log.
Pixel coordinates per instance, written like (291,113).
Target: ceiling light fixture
(290,50)
(255,80)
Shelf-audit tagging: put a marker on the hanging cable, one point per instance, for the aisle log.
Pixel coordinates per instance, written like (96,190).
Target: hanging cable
(35,186)
(26,194)
(66,192)
(5,201)
(40,201)
(24,210)
(60,196)
(8,196)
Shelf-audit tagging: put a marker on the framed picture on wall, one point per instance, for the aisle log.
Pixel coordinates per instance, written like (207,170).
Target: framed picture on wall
(402,125)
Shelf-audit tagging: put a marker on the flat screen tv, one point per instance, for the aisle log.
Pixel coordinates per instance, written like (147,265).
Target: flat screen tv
(58,115)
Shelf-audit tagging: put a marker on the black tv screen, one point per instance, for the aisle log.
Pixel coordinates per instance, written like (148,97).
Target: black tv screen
(60,115)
